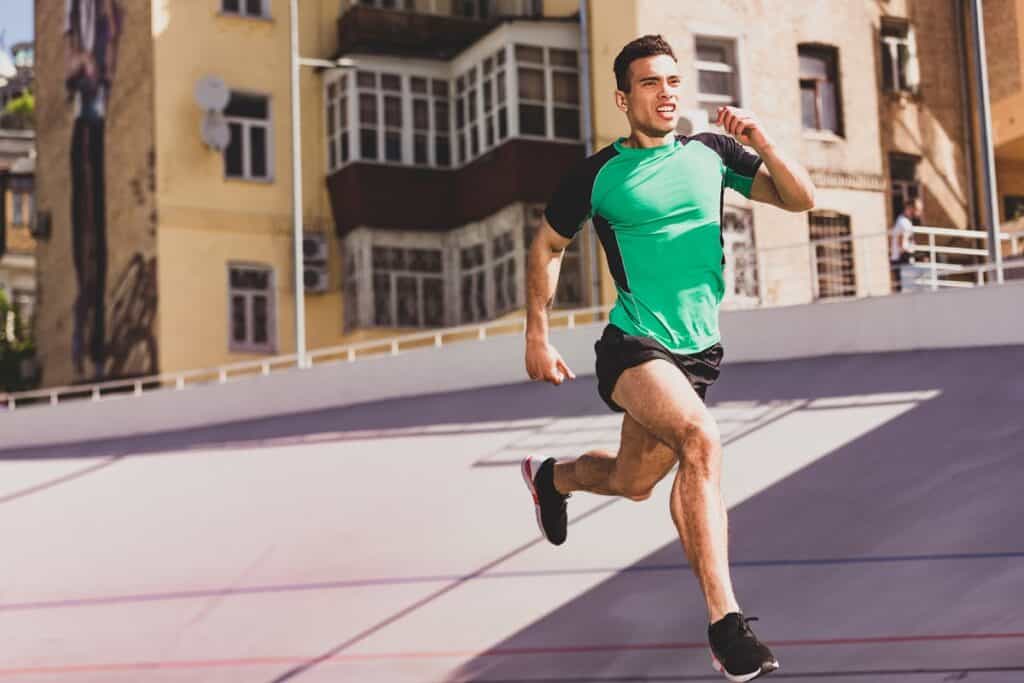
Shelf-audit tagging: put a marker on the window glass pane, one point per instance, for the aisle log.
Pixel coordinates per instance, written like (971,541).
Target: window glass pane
(531,120)
(331,121)
(808,98)
(512,291)
(381,299)
(343,111)
(230,5)
(433,302)
(393,112)
(254,7)
(566,87)
(502,123)
(471,104)
(813,66)
(488,65)
(332,154)
(715,82)
(829,108)
(500,82)
(567,123)
(474,141)
(418,84)
(260,320)
(466,296)
(332,91)
(528,53)
(442,151)
(460,84)
(419,149)
(391,82)
(393,146)
(344,147)
(420,115)
(489,132)
(425,260)
(246,106)
(233,154)
(562,57)
(366,79)
(531,84)
(462,147)
(408,302)
(238,318)
(499,56)
(441,116)
(258,151)
(471,77)
(471,257)
(499,287)
(488,101)
(711,52)
(480,291)
(440,88)
(368,143)
(368,109)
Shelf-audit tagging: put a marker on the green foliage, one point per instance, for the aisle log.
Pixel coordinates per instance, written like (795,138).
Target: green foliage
(18,367)
(20,113)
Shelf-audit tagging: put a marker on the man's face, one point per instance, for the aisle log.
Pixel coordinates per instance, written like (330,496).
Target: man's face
(652,103)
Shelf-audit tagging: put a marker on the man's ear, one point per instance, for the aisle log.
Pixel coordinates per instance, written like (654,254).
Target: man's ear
(620,101)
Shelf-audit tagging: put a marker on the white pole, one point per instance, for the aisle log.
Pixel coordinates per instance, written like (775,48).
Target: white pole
(988,163)
(300,289)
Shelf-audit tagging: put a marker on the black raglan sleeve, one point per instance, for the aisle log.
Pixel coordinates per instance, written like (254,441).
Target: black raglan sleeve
(570,204)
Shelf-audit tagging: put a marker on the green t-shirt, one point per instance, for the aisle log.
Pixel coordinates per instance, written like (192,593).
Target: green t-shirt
(658,214)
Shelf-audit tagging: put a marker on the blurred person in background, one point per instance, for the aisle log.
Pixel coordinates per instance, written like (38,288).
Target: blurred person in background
(656,201)
(901,240)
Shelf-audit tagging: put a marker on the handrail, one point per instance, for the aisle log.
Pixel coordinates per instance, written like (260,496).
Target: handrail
(394,345)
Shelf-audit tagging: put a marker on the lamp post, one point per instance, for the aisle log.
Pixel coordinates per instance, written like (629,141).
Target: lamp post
(300,286)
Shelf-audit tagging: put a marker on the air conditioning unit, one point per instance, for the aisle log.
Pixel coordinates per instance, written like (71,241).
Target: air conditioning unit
(314,248)
(692,121)
(315,278)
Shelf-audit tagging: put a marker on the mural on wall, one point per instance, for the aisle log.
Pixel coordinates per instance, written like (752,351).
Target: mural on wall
(107,312)
(92,30)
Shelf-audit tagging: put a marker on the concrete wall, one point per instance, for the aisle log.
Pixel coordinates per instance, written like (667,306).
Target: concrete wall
(950,319)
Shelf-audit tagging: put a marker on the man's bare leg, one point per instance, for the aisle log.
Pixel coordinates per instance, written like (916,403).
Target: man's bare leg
(642,462)
(661,399)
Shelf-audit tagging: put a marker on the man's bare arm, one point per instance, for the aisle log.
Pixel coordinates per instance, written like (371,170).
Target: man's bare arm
(545,259)
(782,183)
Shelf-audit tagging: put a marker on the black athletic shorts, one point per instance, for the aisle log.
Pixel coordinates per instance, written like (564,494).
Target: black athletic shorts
(618,351)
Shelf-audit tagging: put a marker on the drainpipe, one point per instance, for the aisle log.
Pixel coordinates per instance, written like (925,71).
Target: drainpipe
(988,162)
(588,140)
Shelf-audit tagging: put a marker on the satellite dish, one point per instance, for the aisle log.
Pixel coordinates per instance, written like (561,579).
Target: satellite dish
(212,94)
(215,131)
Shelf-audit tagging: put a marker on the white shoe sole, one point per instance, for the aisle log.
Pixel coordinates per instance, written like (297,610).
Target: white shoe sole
(528,468)
(741,678)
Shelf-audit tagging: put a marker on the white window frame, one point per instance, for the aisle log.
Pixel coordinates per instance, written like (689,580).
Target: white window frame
(249,346)
(242,12)
(247,124)
(549,104)
(731,67)
(891,44)
(379,241)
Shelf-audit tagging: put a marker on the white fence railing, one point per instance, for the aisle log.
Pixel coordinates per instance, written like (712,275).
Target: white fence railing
(840,267)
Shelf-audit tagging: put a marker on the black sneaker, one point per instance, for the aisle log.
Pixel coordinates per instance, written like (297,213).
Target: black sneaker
(547,501)
(735,650)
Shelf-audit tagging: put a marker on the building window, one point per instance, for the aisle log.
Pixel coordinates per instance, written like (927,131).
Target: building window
(251,293)
(388,4)
(717,77)
(494,99)
(408,287)
(431,122)
(832,250)
(900,71)
(819,88)
(551,111)
(336,117)
(903,181)
(246,8)
(742,289)
(248,154)
(1013,207)
(18,208)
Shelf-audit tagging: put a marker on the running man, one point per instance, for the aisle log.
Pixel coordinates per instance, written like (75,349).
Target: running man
(656,200)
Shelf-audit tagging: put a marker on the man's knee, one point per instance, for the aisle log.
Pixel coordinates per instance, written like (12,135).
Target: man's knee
(697,444)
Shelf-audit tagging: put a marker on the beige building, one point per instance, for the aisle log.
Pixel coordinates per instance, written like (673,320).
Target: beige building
(426,167)
(17,209)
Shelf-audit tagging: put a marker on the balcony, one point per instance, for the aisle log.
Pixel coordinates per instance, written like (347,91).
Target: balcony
(432,29)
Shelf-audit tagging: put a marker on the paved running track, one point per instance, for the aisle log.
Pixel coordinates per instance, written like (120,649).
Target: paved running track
(877,523)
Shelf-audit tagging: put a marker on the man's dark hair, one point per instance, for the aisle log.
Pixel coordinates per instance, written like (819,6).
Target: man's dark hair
(644,46)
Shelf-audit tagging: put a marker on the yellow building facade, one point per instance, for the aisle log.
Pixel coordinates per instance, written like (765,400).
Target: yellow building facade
(426,167)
